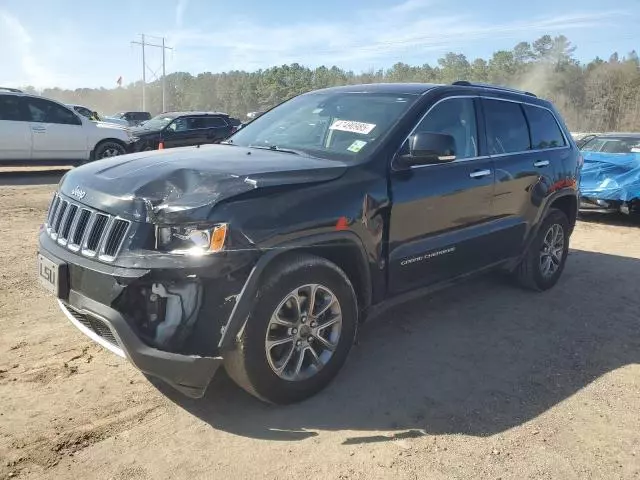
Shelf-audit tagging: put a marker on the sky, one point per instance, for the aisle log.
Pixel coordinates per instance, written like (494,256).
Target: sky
(75,44)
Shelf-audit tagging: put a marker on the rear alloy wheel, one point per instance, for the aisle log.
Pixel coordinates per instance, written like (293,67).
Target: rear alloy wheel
(552,251)
(544,262)
(299,332)
(109,149)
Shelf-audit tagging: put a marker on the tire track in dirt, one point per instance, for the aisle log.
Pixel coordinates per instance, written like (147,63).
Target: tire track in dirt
(46,452)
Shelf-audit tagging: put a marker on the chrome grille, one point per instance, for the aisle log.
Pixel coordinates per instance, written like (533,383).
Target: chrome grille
(82,229)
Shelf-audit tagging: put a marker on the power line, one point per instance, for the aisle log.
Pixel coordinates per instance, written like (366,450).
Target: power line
(164,48)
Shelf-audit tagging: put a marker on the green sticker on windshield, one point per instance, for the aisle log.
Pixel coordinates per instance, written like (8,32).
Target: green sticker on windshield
(357,146)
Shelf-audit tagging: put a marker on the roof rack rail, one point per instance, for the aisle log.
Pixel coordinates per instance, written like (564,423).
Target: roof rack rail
(14,90)
(465,83)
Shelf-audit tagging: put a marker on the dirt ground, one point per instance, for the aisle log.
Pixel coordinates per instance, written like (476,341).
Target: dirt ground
(480,381)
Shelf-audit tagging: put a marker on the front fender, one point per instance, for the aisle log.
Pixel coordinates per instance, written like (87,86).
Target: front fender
(244,300)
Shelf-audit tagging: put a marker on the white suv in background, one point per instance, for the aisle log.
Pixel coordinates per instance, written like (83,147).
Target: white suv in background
(35,129)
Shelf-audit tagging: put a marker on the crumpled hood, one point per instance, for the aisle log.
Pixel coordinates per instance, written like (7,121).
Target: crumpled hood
(611,176)
(183,184)
(110,125)
(141,130)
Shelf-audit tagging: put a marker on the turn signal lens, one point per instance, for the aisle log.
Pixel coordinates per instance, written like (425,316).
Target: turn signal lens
(218,236)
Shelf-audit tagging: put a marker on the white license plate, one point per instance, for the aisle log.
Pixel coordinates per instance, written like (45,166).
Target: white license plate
(48,273)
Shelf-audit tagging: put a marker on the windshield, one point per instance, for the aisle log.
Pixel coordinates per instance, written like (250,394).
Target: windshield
(156,123)
(337,126)
(612,145)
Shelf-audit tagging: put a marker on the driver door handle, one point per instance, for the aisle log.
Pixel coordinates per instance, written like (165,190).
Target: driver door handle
(541,163)
(480,173)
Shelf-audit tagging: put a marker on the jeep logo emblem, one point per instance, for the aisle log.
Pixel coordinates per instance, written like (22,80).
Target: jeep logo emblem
(78,193)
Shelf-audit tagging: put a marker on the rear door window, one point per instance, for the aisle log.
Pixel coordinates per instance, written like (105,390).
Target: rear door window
(11,108)
(507,130)
(545,132)
(196,123)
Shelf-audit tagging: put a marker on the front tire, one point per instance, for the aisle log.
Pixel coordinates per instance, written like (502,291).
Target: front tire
(109,149)
(299,332)
(544,262)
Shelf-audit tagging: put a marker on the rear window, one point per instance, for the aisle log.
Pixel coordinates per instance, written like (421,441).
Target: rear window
(507,130)
(545,132)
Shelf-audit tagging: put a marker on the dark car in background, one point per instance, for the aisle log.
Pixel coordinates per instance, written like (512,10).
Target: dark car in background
(133,118)
(183,129)
(611,173)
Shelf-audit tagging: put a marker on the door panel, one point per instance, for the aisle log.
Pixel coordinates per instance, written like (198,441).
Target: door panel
(15,136)
(57,133)
(185,131)
(440,223)
(441,218)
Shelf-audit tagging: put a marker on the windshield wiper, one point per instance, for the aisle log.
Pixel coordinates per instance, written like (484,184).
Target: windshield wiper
(276,148)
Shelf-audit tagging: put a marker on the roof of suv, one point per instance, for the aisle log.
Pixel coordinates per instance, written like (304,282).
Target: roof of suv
(182,114)
(422,88)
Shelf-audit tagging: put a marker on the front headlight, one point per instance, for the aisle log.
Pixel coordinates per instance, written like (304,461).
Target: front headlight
(191,240)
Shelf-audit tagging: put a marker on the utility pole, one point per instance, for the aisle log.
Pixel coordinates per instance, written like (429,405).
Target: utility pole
(164,48)
(164,109)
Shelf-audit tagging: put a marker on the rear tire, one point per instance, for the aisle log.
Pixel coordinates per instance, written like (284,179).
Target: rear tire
(545,259)
(275,373)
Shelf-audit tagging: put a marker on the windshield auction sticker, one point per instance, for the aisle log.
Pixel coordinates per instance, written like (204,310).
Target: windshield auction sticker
(353,127)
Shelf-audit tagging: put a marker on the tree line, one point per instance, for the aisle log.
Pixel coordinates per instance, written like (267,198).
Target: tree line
(602,95)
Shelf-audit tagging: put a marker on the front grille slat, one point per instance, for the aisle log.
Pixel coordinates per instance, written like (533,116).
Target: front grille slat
(52,209)
(84,230)
(68,221)
(115,237)
(97,229)
(60,215)
(81,227)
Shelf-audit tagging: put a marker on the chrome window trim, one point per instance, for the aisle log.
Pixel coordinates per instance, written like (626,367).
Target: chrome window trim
(484,157)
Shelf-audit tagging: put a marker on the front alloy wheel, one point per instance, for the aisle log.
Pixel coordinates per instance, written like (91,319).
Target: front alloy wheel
(298,335)
(303,332)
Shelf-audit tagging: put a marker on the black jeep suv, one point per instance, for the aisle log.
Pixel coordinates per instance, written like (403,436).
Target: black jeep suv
(265,253)
(183,129)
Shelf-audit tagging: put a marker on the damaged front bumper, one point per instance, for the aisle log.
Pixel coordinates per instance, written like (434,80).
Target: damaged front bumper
(167,322)
(189,374)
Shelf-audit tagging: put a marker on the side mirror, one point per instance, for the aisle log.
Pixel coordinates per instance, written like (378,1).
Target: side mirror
(429,148)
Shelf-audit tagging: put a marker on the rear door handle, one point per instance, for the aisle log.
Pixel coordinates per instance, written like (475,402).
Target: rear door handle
(480,173)
(541,163)
(38,128)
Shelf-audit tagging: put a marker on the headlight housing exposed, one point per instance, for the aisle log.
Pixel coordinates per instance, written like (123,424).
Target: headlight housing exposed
(191,240)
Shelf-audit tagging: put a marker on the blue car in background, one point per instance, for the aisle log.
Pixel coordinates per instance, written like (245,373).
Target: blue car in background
(611,173)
